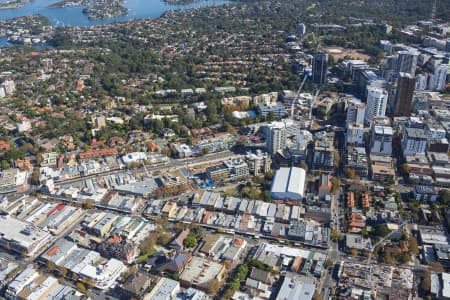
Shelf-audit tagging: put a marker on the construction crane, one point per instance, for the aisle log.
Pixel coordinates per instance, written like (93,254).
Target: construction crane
(317,44)
(312,103)
(317,47)
(433,11)
(145,168)
(297,95)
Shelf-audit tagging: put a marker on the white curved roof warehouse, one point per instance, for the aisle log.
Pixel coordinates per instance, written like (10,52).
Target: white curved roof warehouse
(288,184)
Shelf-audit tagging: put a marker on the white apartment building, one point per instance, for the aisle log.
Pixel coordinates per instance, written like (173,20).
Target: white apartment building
(276,137)
(376,103)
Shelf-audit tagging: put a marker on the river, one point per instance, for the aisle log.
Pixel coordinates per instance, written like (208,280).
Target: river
(73,16)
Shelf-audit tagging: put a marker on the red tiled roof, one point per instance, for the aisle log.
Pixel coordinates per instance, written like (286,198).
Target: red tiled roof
(98,153)
(350,199)
(238,242)
(52,251)
(56,208)
(95,143)
(4,146)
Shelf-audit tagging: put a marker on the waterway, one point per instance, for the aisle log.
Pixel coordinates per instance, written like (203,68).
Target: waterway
(73,16)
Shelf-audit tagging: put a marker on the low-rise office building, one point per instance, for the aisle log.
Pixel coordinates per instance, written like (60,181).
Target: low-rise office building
(22,237)
(165,289)
(87,264)
(200,272)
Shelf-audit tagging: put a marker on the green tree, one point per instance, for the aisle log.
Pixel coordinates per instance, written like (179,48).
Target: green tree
(444,196)
(436,267)
(425,285)
(381,230)
(387,257)
(336,159)
(267,197)
(404,258)
(335,235)
(304,166)
(228,293)
(63,271)
(163,238)
(50,266)
(405,169)
(269,175)
(128,273)
(331,60)
(35,176)
(329,263)
(81,287)
(190,241)
(364,232)
(317,295)
(89,204)
(321,113)
(335,185)
(4,165)
(213,286)
(413,245)
(350,173)
(198,232)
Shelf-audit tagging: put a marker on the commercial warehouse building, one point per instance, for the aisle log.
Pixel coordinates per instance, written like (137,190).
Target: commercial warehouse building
(294,287)
(288,184)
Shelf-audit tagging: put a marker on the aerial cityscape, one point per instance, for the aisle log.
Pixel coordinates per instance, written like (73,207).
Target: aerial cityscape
(208,150)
